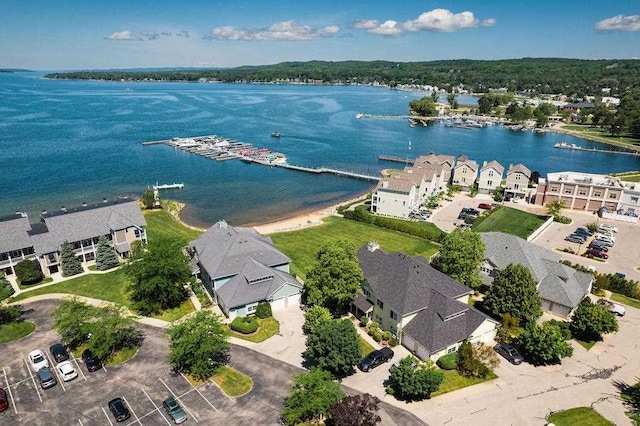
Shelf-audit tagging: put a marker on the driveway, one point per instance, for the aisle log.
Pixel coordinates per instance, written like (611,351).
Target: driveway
(446,217)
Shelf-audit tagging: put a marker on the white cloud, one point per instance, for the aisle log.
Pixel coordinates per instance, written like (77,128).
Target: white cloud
(387,28)
(366,24)
(620,23)
(488,22)
(285,30)
(122,35)
(127,35)
(183,34)
(442,20)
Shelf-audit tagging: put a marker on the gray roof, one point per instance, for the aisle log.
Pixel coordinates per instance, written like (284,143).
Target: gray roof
(405,282)
(519,168)
(493,164)
(445,322)
(556,282)
(84,224)
(223,250)
(254,283)
(361,302)
(14,233)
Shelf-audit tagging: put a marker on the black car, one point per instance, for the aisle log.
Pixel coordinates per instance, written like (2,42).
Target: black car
(601,247)
(583,231)
(471,211)
(46,378)
(510,353)
(90,360)
(119,409)
(375,358)
(59,352)
(465,216)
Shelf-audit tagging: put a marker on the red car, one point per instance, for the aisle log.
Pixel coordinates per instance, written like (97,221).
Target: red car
(4,401)
(597,253)
(485,206)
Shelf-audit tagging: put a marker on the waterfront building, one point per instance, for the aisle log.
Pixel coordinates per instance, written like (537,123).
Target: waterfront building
(465,173)
(518,182)
(240,268)
(490,177)
(120,221)
(582,191)
(446,161)
(629,200)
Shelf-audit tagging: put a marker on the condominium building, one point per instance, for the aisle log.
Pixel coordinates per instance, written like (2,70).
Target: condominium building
(583,191)
(517,181)
(490,177)
(465,172)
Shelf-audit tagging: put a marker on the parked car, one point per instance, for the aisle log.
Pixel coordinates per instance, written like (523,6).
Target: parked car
(607,227)
(573,238)
(4,400)
(46,378)
(174,409)
(614,308)
(375,358)
(597,253)
(38,360)
(90,360)
(471,211)
(66,370)
(606,239)
(485,206)
(119,409)
(509,353)
(465,226)
(464,216)
(59,352)
(583,231)
(597,246)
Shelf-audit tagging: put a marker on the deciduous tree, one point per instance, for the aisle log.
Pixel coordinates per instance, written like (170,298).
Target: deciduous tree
(424,107)
(476,360)
(148,199)
(313,394)
(314,316)
(414,381)
(358,410)
(198,345)
(554,208)
(106,257)
(334,346)
(544,344)
(589,322)
(460,257)
(28,272)
(335,278)
(514,292)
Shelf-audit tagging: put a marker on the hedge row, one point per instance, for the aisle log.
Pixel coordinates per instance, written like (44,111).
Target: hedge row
(244,325)
(419,229)
(611,282)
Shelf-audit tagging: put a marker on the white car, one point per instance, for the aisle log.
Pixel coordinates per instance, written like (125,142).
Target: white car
(614,308)
(38,360)
(606,238)
(606,227)
(66,370)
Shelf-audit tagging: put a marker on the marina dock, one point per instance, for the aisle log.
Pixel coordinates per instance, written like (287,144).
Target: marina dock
(395,159)
(169,186)
(574,147)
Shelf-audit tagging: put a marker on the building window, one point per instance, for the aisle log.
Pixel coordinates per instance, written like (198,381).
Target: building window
(366,292)
(517,176)
(634,200)
(490,173)
(516,185)
(393,331)
(136,232)
(51,257)
(489,183)
(380,304)
(568,190)
(451,350)
(378,319)
(393,315)
(554,189)
(251,308)
(582,192)
(597,193)
(613,195)
(464,171)
(15,253)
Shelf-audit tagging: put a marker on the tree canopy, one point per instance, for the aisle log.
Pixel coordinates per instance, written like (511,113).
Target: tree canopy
(460,257)
(589,322)
(158,275)
(198,345)
(106,257)
(313,317)
(544,344)
(412,380)
(424,107)
(28,272)
(313,393)
(357,410)
(334,346)
(148,199)
(514,292)
(68,261)
(335,277)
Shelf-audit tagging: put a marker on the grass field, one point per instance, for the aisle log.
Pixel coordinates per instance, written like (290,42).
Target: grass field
(176,313)
(267,328)
(15,330)
(454,381)
(580,416)
(601,135)
(628,176)
(365,347)
(625,300)
(302,245)
(45,280)
(232,382)
(511,221)
(161,224)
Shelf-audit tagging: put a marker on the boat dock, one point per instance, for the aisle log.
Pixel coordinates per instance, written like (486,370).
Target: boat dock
(169,186)
(574,147)
(316,170)
(395,159)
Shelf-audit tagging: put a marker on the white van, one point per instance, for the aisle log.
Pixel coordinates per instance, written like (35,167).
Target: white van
(606,238)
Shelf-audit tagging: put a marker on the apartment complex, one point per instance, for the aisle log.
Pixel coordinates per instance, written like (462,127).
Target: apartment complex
(517,185)
(585,191)
(120,221)
(465,172)
(490,177)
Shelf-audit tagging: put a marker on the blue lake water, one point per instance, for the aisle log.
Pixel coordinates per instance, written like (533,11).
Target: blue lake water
(65,142)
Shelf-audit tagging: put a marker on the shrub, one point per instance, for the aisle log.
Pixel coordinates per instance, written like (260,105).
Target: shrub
(9,314)
(263,310)
(244,325)
(28,272)
(364,320)
(5,289)
(377,336)
(592,226)
(448,362)
(373,327)
(562,219)
(386,336)
(393,342)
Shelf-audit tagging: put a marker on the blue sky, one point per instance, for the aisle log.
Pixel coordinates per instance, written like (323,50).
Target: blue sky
(94,34)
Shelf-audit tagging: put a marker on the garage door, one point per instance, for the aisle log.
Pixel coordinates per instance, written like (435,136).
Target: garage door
(278,303)
(293,300)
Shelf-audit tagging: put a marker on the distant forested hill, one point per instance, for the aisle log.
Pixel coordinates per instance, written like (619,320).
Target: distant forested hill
(541,75)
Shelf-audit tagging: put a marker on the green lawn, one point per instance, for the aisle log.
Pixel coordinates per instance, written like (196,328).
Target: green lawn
(580,416)
(302,245)
(267,328)
(15,330)
(628,176)
(454,381)
(232,382)
(511,221)
(365,347)
(625,300)
(586,345)
(176,313)
(601,135)
(120,357)
(45,280)
(111,287)
(161,224)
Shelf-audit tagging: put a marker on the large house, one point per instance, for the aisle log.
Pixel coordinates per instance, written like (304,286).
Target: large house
(561,287)
(423,308)
(120,221)
(241,268)
(490,177)
(517,181)
(465,173)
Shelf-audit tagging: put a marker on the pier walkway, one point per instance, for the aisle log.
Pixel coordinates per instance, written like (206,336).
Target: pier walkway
(573,147)
(395,159)
(316,170)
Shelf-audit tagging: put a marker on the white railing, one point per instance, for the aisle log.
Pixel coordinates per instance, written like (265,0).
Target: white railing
(540,229)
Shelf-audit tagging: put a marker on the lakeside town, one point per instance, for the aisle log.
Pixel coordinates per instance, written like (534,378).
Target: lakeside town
(432,218)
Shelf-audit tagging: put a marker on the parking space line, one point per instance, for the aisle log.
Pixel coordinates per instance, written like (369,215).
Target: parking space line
(133,412)
(105,414)
(79,369)
(56,372)
(79,421)
(9,389)
(32,379)
(157,408)
(199,393)
(178,399)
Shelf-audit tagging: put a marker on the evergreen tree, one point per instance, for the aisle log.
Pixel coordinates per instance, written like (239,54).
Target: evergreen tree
(69,262)
(105,255)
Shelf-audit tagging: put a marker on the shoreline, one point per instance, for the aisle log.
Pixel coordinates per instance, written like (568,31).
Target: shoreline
(591,138)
